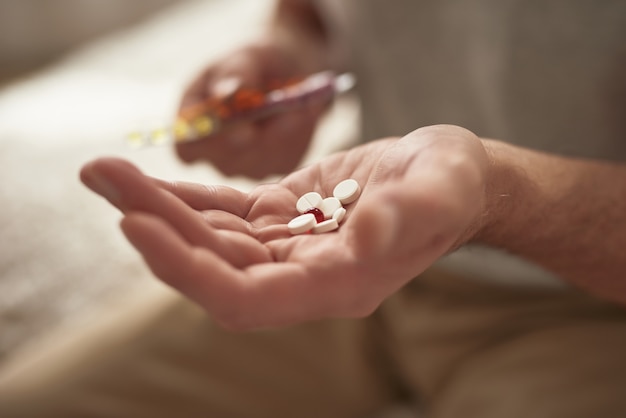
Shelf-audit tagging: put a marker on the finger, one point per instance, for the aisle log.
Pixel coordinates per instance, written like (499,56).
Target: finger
(168,254)
(257,148)
(239,250)
(222,79)
(227,221)
(220,148)
(325,284)
(191,270)
(217,82)
(269,294)
(282,294)
(209,197)
(249,150)
(137,192)
(263,295)
(196,91)
(286,139)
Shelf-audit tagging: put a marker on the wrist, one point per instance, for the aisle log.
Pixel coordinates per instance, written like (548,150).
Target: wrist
(508,189)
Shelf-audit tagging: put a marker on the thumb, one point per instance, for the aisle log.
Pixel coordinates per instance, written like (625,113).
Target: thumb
(376,223)
(402,221)
(224,86)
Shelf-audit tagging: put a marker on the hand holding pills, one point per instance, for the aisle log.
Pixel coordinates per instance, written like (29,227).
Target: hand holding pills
(257,148)
(384,211)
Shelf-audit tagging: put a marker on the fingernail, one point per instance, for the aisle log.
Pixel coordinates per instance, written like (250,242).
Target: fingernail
(103,187)
(225,87)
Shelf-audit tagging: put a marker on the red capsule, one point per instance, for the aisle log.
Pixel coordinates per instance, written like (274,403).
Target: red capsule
(319,215)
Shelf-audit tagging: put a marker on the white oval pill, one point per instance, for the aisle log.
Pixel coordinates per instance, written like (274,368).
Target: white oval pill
(302,224)
(308,201)
(329,206)
(347,191)
(326,226)
(339,214)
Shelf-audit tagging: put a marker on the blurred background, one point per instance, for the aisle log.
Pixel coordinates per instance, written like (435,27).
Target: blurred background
(35,32)
(75,77)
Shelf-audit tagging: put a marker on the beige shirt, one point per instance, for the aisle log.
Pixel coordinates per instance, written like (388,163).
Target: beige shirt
(549,75)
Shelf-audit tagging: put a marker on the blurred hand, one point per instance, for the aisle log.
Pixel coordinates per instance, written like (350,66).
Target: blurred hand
(274,145)
(231,252)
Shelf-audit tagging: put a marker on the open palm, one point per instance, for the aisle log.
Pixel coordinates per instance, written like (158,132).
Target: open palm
(232,253)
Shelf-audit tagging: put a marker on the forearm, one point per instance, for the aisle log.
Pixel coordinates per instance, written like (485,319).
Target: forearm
(567,215)
(298,27)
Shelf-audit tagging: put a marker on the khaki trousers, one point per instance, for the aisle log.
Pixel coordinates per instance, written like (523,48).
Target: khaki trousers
(452,347)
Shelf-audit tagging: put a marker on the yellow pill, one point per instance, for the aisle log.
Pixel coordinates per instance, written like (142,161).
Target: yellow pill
(136,139)
(203,125)
(159,136)
(182,130)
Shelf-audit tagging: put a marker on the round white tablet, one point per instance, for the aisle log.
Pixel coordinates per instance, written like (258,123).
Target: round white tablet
(308,201)
(302,224)
(326,226)
(329,206)
(339,214)
(347,191)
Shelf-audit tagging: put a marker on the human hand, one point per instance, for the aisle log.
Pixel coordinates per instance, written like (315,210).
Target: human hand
(231,252)
(273,144)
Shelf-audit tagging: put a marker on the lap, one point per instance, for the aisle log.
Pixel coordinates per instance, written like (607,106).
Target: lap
(573,371)
(180,364)
(480,350)
(461,348)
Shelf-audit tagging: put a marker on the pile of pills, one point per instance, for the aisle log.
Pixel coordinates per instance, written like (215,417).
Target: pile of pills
(319,215)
